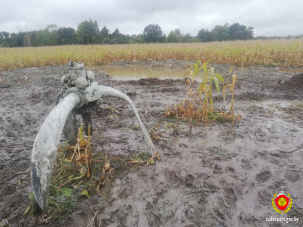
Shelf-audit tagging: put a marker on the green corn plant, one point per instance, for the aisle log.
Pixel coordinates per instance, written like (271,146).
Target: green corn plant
(199,103)
(204,92)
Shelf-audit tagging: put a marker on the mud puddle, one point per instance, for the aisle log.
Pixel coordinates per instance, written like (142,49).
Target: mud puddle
(213,174)
(210,175)
(131,73)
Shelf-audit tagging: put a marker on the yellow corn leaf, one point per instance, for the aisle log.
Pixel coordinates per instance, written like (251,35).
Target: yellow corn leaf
(84,192)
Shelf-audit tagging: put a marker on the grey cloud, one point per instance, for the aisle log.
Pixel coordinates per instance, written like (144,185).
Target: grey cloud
(130,17)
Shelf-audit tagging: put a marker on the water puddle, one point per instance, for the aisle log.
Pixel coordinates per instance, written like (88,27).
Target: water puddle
(124,74)
(277,106)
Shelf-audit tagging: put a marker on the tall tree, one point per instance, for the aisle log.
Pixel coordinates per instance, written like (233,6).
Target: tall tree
(153,34)
(117,37)
(220,33)
(28,39)
(53,34)
(179,35)
(47,36)
(175,36)
(42,37)
(171,38)
(66,36)
(240,32)
(205,35)
(13,41)
(104,35)
(104,32)
(87,32)
(4,39)
(136,39)
(20,38)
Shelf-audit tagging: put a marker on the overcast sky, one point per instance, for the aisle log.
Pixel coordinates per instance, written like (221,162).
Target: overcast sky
(268,17)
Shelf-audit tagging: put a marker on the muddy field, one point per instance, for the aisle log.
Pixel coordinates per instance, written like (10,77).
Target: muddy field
(214,175)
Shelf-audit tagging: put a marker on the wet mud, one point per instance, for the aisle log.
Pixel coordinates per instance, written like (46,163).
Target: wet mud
(209,175)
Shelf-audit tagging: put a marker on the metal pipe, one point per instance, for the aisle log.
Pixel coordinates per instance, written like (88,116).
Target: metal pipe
(108,91)
(46,145)
(48,138)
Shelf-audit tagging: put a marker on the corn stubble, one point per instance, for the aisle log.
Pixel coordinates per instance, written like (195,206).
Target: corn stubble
(282,52)
(197,105)
(79,174)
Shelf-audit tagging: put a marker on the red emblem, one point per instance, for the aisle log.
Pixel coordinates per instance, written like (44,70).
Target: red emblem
(282,202)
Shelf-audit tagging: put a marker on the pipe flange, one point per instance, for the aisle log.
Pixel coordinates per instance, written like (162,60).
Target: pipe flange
(78,92)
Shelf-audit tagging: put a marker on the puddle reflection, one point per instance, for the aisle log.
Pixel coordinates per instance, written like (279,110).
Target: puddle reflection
(139,73)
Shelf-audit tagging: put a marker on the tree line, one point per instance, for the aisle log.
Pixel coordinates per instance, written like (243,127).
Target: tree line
(88,32)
